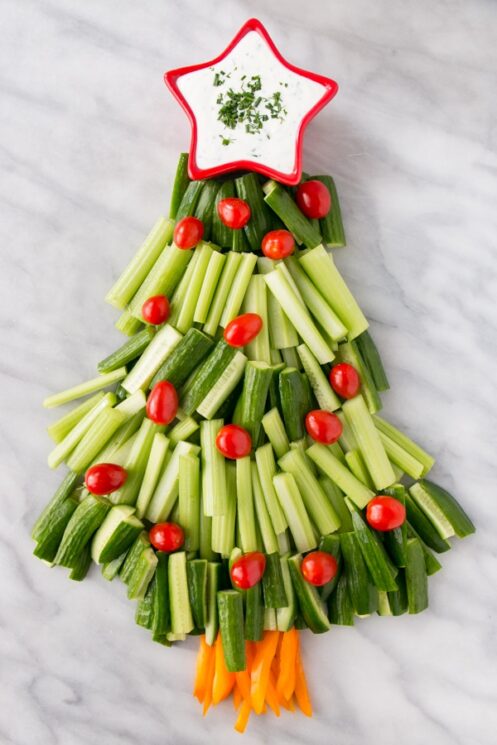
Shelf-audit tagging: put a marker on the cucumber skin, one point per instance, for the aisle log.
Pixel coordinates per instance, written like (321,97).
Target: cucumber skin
(361,595)
(423,526)
(252,402)
(416,578)
(457,517)
(213,581)
(280,201)
(249,189)
(112,568)
(308,598)
(293,401)
(184,358)
(127,352)
(432,564)
(331,225)
(83,523)
(372,360)
(396,540)
(144,607)
(189,199)
(220,233)
(81,566)
(331,545)
(231,624)
(209,371)
(398,599)
(374,554)
(132,556)
(64,491)
(121,543)
(254,614)
(50,537)
(204,207)
(142,574)
(161,615)
(272,583)
(340,607)
(196,572)
(180,184)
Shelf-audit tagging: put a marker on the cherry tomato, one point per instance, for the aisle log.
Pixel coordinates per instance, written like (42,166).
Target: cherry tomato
(234,213)
(323,426)
(345,380)
(278,244)
(242,329)
(188,232)
(318,568)
(233,441)
(156,310)
(166,536)
(313,199)
(247,571)
(162,403)
(385,513)
(104,478)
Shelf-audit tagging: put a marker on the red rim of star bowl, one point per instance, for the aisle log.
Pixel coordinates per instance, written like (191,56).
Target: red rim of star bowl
(195,172)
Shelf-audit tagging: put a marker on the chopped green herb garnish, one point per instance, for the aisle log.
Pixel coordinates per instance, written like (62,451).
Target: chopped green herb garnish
(245,107)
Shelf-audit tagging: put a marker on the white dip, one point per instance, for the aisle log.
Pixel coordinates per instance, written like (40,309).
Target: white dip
(271,141)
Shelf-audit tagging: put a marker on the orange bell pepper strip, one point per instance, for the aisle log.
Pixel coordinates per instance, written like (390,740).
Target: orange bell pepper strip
(223,680)
(237,696)
(243,716)
(285,684)
(203,657)
(272,696)
(301,691)
(261,667)
(209,678)
(243,677)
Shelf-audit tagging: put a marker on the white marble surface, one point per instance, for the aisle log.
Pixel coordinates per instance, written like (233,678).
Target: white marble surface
(88,141)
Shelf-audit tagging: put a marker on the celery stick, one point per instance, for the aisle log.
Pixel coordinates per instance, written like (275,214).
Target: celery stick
(223,289)
(187,309)
(340,475)
(167,489)
(61,427)
(238,289)
(214,487)
(245,505)
(223,526)
(275,431)
(255,301)
(264,521)
(121,437)
(181,290)
(321,269)
(296,515)
(152,358)
(404,442)
(325,395)
(347,439)
(136,463)
(162,278)
(401,458)
(189,500)
(183,430)
(132,277)
(83,389)
(349,352)
(153,470)
(291,358)
(100,432)
(368,440)
(282,333)
(302,321)
(266,467)
(128,324)
(211,279)
(65,447)
(356,464)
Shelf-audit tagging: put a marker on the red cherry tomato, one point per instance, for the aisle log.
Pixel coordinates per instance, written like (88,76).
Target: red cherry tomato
(234,213)
(166,536)
(156,310)
(323,426)
(247,571)
(345,380)
(313,199)
(233,441)
(385,513)
(162,403)
(242,329)
(188,232)
(318,568)
(104,478)
(278,244)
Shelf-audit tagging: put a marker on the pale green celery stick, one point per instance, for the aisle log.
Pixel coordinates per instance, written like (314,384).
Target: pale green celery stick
(223,288)
(64,448)
(275,431)
(162,278)
(214,487)
(183,429)
(136,463)
(83,389)
(320,385)
(245,505)
(263,522)
(405,442)
(296,515)
(368,439)
(102,429)
(167,489)
(255,301)
(238,288)
(189,500)
(153,471)
(282,333)
(181,290)
(61,427)
(132,277)
(211,279)
(356,464)
(340,475)
(128,324)
(223,526)
(266,468)
(152,358)
(187,309)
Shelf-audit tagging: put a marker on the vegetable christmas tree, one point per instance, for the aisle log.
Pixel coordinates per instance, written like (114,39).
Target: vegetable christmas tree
(237,476)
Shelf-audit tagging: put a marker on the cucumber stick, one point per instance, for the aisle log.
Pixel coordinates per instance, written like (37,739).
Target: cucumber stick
(230,270)
(231,625)
(325,396)
(196,572)
(416,579)
(338,502)
(245,505)
(49,537)
(214,485)
(294,402)
(111,569)
(296,515)
(223,386)
(286,208)
(274,428)
(255,301)
(272,583)
(266,467)
(180,185)
(63,492)
(179,599)
(395,540)
(331,225)
(155,463)
(363,594)
(321,269)
(81,565)
(204,206)
(254,613)
(190,199)
(132,556)
(115,535)
(167,489)
(424,527)
(372,360)
(201,382)
(140,265)
(377,561)
(153,357)
(285,616)
(309,601)
(292,305)
(189,500)
(252,402)
(249,189)
(369,442)
(161,617)
(127,352)
(340,608)
(221,233)
(212,619)
(83,523)
(315,499)
(142,574)
(442,509)
(340,474)
(184,358)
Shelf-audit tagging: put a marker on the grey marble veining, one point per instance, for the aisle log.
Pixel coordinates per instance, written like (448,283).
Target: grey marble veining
(89,138)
